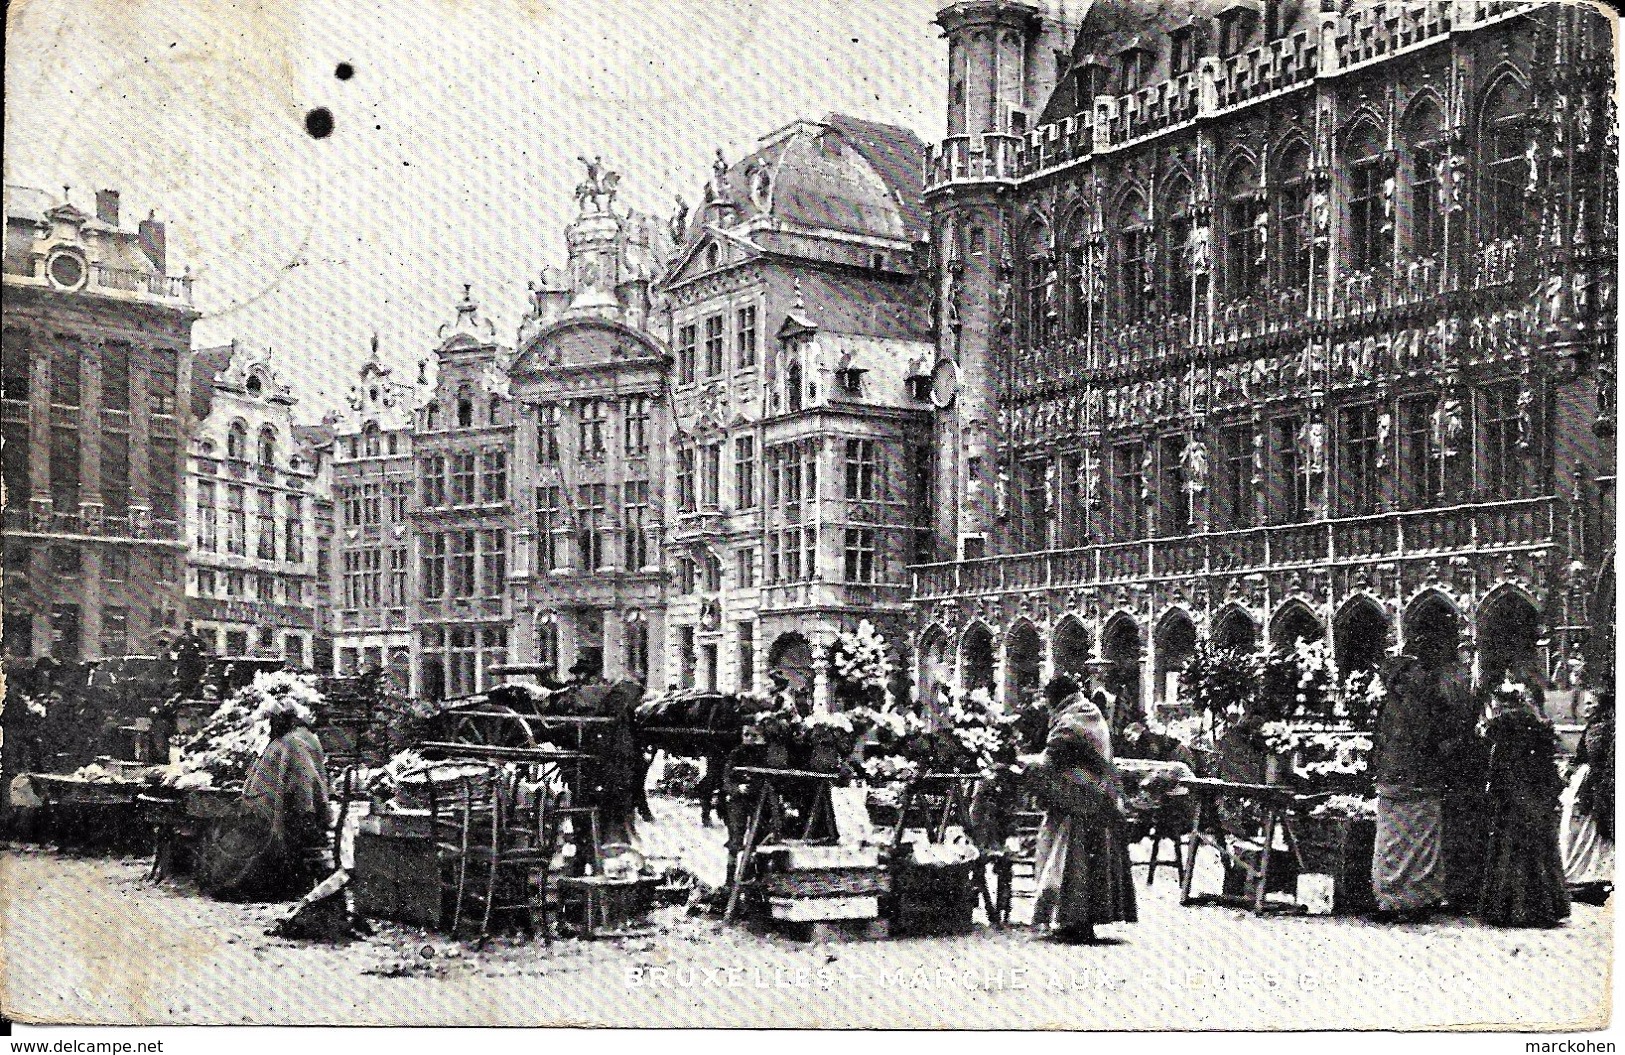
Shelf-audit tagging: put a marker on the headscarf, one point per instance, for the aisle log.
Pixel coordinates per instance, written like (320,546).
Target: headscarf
(1080,720)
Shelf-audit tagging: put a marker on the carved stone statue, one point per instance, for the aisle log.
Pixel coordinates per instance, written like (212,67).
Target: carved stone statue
(1049,487)
(1193,463)
(598,189)
(1001,493)
(1199,249)
(1447,425)
(761,184)
(1312,446)
(717,190)
(1088,482)
(1261,236)
(1385,429)
(1320,212)
(1389,186)
(1531,158)
(1526,418)
(679,221)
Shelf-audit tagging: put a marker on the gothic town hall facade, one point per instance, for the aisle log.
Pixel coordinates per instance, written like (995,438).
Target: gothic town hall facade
(1260,321)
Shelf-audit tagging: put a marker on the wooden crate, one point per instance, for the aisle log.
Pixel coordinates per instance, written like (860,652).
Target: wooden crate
(396,878)
(1341,849)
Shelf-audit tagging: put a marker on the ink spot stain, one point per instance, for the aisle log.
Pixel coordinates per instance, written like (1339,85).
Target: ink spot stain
(319,123)
(344,71)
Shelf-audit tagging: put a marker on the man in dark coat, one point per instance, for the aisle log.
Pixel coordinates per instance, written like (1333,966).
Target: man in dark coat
(1465,762)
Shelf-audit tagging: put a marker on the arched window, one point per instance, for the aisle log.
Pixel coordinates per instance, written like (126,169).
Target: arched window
(255,386)
(431,416)
(1424,132)
(1178,253)
(1292,216)
(267,446)
(1074,253)
(370,439)
(1243,266)
(1369,238)
(494,415)
(1503,172)
(1040,281)
(1132,238)
(465,409)
(237,442)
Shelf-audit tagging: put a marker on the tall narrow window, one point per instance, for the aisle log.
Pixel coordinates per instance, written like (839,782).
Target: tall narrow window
(115,472)
(1289,497)
(1174,501)
(115,376)
(686,352)
(710,475)
(861,470)
(637,426)
(1502,465)
(1359,484)
(1236,494)
(293,548)
(635,512)
(745,472)
(713,346)
(163,380)
(547,642)
(164,478)
(434,565)
(65,375)
(1178,252)
(1503,172)
(1242,265)
(686,457)
(460,557)
(860,555)
(1292,217)
(398,595)
(493,562)
(745,336)
(268,447)
(207,539)
(1423,135)
(16,364)
(590,504)
(1421,470)
(1128,486)
(594,412)
(434,482)
(494,477)
(636,636)
(549,420)
(1368,240)
(65,469)
(463,472)
(747,656)
(552,528)
(1131,241)
(236,521)
(264,525)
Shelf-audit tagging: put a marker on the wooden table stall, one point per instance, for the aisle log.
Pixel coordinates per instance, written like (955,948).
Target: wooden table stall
(1243,822)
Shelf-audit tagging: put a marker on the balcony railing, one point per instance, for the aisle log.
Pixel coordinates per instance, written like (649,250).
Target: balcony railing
(1258,71)
(989,156)
(147,283)
(1152,108)
(1421,533)
(47,522)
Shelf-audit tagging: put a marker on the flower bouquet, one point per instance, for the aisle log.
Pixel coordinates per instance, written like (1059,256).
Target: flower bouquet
(1322,756)
(1222,683)
(1299,682)
(237,733)
(861,663)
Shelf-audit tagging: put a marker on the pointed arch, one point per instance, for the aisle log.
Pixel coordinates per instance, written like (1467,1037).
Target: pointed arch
(1175,644)
(1294,621)
(1072,250)
(1509,632)
(976,657)
(935,669)
(1360,632)
(1235,629)
(1364,127)
(1433,628)
(1240,192)
(1037,275)
(1288,175)
(1023,661)
(1502,168)
(1070,647)
(1130,222)
(1123,649)
(1174,227)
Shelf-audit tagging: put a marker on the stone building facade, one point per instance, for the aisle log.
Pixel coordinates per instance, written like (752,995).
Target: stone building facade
(462,512)
(93,420)
(251,486)
(1275,322)
(593,450)
(800,334)
(374,483)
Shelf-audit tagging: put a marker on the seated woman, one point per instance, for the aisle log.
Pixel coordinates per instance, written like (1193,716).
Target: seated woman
(1523,870)
(278,849)
(1082,860)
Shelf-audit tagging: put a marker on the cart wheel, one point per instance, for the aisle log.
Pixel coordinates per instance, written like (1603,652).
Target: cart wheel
(508,728)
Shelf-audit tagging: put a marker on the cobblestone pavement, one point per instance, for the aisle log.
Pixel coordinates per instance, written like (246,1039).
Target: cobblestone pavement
(91,940)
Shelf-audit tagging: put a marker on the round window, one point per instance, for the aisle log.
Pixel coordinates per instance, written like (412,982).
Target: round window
(67,271)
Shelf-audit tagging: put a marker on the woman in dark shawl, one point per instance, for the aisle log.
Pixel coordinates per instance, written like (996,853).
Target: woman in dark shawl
(1523,869)
(1082,862)
(278,847)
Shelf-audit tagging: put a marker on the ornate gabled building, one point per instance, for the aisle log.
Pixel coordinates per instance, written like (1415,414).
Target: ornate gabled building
(592,449)
(1285,320)
(374,481)
(93,416)
(462,513)
(801,340)
(252,584)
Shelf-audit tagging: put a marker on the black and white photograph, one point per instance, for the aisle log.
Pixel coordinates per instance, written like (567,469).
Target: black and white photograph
(1021,515)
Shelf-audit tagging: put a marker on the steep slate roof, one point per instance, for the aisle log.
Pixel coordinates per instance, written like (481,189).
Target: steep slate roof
(897,154)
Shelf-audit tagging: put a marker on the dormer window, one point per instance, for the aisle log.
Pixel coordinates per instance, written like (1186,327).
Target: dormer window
(1134,69)
(465,410)
(1182,51)
(1092,81)
(1236,27)
(792,386)
(713,256)
(850,380)
(431,416)
(255,386)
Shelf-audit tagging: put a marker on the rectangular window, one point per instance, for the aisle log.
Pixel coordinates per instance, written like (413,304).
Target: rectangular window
(397,577)
(65,375)
(163,380)
(372,581)
(1292,251)
(1368,242)
(1502,461)
(14,455)
(462,660)
(745,336)
(400,500)
(494,477)
(350,503)
(710,475)
(685,656)
(115,472)
(1359,485)
(115,376)
(685,479)
(1421,473)
(206,582)
(1242,268)
(65,469)
(164,478)
(1289,486)
(590,504)
(686,348)
(635,510)
(745,472)
(637,651)
(549,421)
(460,563)
(434,565)
(637,426)
(1236,487)
(809,557)
(1174,501)
(773,569)
(745,566)
(16,364)
(207,540)
(747,656)
(494,562)
(463,471)
(65,560)
(1131,298)
(371,505)
(547,643)
(552,528)
(264,525)
(1182,51)
(713,346)
(792,554)
(593,414)
(1033,516)
(434,482)
(1427,220)
(236,521)
(860,555)
(1128,500)
(860,470)
(116,565)
(115,631)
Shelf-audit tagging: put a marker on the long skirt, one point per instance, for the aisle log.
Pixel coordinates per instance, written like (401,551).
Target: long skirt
(1523,869)
(1588,858)
(1466,829)
(1083,873)
(1407,864)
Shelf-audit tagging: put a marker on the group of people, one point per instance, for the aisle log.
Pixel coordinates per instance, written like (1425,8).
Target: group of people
(1471,814)
(1474,816)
